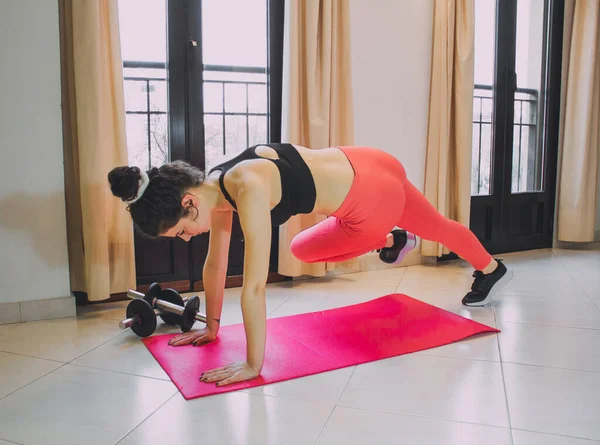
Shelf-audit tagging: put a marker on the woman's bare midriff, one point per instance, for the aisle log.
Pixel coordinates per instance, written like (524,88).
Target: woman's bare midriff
(332,173)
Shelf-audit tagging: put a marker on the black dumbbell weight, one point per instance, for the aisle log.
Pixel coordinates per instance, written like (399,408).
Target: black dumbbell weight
(190,314)
(143,316)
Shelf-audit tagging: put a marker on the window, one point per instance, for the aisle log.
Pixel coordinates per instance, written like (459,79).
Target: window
(202,82)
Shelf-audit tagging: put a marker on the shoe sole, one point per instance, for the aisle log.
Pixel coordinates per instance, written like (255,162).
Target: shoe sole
(411,243)
(500,284)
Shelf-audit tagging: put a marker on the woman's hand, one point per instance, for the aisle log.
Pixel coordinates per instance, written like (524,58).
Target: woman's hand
(200,337)
(235,372)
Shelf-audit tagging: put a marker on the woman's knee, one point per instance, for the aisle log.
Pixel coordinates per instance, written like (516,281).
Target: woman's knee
(303,250)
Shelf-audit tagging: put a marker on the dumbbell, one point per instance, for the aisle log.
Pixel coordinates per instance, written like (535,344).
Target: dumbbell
(144,317)
(189,314)
(155,290)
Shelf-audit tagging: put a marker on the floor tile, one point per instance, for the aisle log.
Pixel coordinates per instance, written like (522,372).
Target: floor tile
(109,311)
(231,312)
(439,277)
(589,280)
(357,427)
(437,387)
(550,346)
(554,401)
(315,301)
(276,295)
(233,418)
(343,290)
(126,353)
(583,267)
(6,327)
(575,258)
(75,405)
(545,310)
(529,438)
(559,285)
(449,299)
(357,281)
(483,347)
(326,387)
(535,262)
(274,290)
(114,391)
(17,371)
(62,339)
(479,347)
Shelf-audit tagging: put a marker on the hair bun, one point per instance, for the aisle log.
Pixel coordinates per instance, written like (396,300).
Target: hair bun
(124,182)
(154,171)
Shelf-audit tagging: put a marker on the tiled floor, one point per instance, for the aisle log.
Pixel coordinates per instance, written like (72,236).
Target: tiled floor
(84,381)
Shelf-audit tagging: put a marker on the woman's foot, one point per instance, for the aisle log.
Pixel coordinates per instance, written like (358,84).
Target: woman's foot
(403,242)
(485,286)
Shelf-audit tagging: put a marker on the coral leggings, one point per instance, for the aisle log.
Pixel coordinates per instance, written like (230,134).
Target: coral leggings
(380,198)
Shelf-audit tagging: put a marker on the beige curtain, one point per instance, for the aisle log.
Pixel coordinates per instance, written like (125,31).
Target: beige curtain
(449,137)
(100,238)
(579,141)
(317,100)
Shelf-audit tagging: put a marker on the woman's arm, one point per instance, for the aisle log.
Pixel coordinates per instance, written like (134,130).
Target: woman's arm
(255,219)
(214,275)
(254,210)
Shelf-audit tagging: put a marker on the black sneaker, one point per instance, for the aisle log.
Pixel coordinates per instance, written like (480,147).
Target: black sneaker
(485,286)
(404,242)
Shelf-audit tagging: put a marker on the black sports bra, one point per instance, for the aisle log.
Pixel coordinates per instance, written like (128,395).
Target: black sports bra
(298,192)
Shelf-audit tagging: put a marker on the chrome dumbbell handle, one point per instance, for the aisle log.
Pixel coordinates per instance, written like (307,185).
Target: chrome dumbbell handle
(170,307)
(131,321)
(134,295)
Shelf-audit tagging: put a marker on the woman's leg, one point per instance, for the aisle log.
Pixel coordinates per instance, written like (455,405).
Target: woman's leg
(421,218)
(334,240)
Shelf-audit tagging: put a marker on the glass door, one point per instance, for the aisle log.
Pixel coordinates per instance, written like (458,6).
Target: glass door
(148,104)
(202,83)
(235,91)
(515,122)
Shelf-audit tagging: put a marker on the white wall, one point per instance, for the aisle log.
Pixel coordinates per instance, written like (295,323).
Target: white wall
(33,245)
(391,60)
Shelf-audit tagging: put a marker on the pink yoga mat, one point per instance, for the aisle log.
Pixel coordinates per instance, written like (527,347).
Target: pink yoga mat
(306,344)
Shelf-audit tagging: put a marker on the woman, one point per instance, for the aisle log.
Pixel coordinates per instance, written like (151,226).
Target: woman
(364,190)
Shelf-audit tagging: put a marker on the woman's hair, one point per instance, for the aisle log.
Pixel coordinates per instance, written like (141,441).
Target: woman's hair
(159,208)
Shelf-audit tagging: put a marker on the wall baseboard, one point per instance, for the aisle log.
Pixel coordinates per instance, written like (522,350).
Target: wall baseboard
(37,310)
(10,313)
(594,245)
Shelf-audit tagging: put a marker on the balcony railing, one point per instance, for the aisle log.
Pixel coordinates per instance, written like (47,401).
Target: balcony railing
(235,111)
(236,116)
(525,137)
